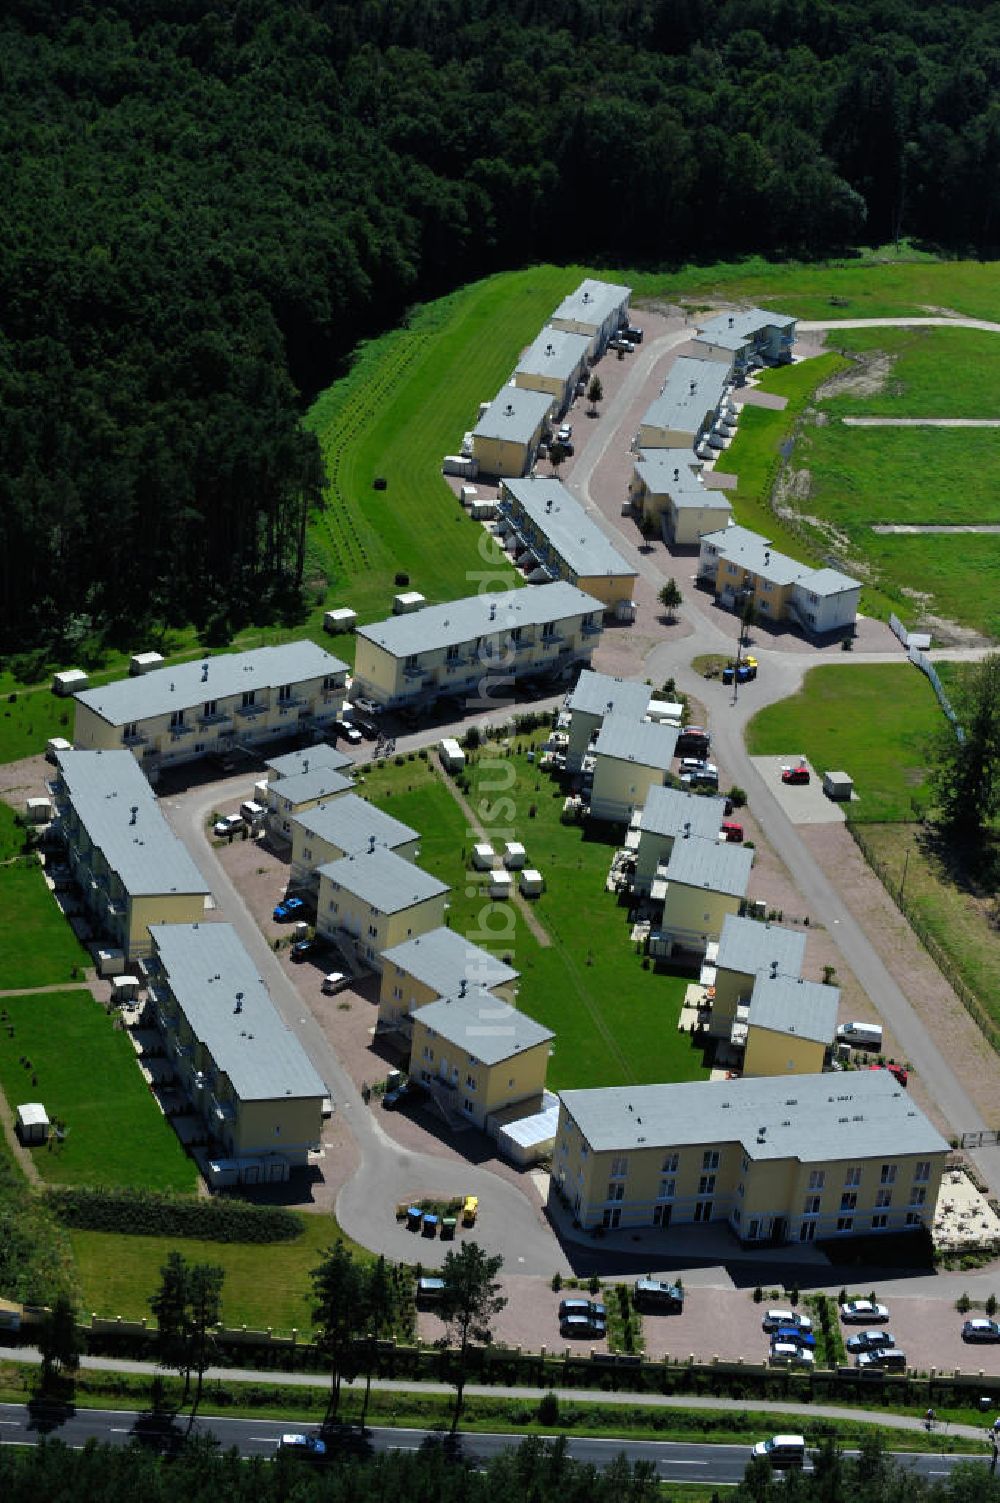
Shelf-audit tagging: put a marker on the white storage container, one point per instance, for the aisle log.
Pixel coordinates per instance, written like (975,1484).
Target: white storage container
(341,619)
(501,885)
(483,857)
(142,662)
(70,681)
(531,882)
(514,855)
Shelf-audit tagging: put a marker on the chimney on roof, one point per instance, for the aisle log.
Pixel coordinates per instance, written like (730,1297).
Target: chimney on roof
(509,409)
(767,555)
(204,673)
(462,986)
(371,844)
(550,349)
(135,813)
(687,828)
(677,474)
(732,320)
(493,612)
(694,387)
(171,688)
(548,504)
(774,970)
(239,1002)
(305,764)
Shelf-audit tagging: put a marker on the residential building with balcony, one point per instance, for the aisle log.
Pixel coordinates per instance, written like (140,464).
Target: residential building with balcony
(478,1055)
(478,646)
(596,309)
(694,404)
(129,865)
(189,710)
(240,1066)
(745,950)
(437,964)
(630,758)
(668,815)
(505,440)
(788,1027)
(554,363)
(700,884)
(741,566)
(376,899)
(748,340)
(300,781)
(593,697)
(666,489)
(344,826)
(801,1160)
(550,536)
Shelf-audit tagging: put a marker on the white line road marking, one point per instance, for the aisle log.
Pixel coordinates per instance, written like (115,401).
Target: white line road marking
(671,1462)
(119,1429)
(271,1439)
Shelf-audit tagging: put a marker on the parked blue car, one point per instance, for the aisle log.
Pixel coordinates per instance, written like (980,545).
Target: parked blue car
(288,909)
(792,1333)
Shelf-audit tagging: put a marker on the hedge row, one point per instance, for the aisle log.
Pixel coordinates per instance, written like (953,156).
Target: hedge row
(152,1214)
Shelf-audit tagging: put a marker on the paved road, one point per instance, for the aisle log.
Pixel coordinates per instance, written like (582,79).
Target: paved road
(816,326)
(674,1461)
(920,422)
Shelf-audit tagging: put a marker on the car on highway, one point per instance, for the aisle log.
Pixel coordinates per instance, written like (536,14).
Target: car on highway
(869,1341)
(781,1450)
(775,1319)
(310,1447)
(288,908)
(857,1312)
(795,775)
(981,1330)
(229,824)
(791,1354)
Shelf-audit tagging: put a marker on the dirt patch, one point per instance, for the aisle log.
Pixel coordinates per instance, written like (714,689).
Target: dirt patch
(950,634)
(869,373)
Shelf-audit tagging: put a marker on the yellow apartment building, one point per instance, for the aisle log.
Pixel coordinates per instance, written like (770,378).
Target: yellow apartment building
(694,401)
(741,566)
(299,781)
(242,1070)
(437,964)
(631,757)
(746,949)
(792,1161)
(506,438)
(550,536)
(747,340)
(131,869)
(477,646)
(554,363)
(375,899)
(666,489)
(596,309)
(343,826)
(189,710)
(669,814)
(593,697)
(478,1055)
(789,1026)
(702,883)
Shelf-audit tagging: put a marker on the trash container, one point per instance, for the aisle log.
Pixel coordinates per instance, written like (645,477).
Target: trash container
(448,1225)
(414,1217)
(430,1224)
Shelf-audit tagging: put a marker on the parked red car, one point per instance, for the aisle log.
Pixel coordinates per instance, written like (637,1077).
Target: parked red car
(900,1072)
(798,774)
(732,831)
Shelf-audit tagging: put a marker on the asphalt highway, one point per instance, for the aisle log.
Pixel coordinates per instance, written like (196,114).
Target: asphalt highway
(674,1461)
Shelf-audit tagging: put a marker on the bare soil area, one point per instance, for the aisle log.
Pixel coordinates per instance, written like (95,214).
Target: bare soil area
(869,374)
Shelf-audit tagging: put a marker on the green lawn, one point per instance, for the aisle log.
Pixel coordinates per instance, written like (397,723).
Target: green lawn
(935,373)
(37,945)
(266,1284)
(872,720)
(615,1022)
(85,1073)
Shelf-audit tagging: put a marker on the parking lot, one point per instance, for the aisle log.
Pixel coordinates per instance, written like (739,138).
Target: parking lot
(804,803)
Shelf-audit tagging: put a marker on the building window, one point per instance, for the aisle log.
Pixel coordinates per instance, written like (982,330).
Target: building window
(888,1176)
(333,908)
(132,729)
(744,1165)
(307,854)
(668,1189)
(211,707)
(616,1191)
(914,1218)
(740,1190)
(817,1179)
(249,698)
(671,1163)
(883,1198)
(918,1196)
(852,1177)
(470,1083)
(468,1105)
(619,1168)
(397,993)
(428,1052)
(922,1171)
(284,693)
(710,1160)
(753,1231)
(703,1210)
(452,654)
(845,1223)
(879,1223)
(706,1185)
(176,719)
(548,630)
(330,682)
(737,1216)
(849,1202)
(811,1205)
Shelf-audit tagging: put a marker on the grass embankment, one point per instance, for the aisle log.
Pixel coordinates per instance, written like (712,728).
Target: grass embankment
(871,719)
(932,373)
(615,1021)
(62,1049)
(37,945)
(515,1416)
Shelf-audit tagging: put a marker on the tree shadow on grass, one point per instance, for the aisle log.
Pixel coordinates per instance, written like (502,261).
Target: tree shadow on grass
(971,867)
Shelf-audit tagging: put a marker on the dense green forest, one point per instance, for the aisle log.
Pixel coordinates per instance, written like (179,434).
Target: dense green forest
(535,1473)
(207,204)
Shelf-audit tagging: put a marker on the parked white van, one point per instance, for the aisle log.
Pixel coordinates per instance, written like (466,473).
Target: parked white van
(861,1035)
(782,1450)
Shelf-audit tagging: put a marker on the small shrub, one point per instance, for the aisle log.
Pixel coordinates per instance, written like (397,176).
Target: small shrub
(963,1304)
(758,1295)
(402,579)
(991,1306)
(594,1284)
(737,797)
(556,1282)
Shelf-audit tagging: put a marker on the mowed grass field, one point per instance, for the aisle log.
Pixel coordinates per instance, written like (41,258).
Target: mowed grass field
(873,720)
(615,1023)
(934,372)
(266,1284)
(37,945)
(86,1074)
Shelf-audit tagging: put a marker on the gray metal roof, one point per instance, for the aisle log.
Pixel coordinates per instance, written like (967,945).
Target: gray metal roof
(828,582)
(489,616)
(349,822)
(556,352)
(574,535)
(206,966)
(321,782)
(310,757)
(668,810)
(787,1004)
(731,330)
(692,389)
(389,883)
(600,694)
(592,302)
(812,1118)
(738,545)
(181,686)
(515,415)
(706,864)
(443,959)
(483,1025)
(748,947)
(104,788)
(642,742)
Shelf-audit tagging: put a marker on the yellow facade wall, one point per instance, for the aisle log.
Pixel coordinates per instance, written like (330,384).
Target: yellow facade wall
(503,457)
(770,1053)
(696,911)
(163,908)
(609,589)
(372,932)
(479,1089)
(621,787)
(91,733)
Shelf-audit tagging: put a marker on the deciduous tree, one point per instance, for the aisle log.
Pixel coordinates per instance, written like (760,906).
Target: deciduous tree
(470,1300)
